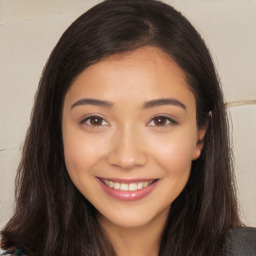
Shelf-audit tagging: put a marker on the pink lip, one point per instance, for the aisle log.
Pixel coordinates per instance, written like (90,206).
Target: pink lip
(126,180)
(128,195)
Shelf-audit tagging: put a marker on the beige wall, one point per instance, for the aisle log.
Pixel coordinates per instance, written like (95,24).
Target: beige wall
(29,29)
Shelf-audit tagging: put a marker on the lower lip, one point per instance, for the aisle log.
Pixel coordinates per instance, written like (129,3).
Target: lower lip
(128,195)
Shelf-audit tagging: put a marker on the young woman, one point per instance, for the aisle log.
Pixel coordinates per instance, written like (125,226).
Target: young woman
(127,152)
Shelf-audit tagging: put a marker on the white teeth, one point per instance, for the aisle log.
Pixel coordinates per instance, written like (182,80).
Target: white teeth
(140,185)
(145,184)
(133,187)
(117,185)
(126,186)
(110,184)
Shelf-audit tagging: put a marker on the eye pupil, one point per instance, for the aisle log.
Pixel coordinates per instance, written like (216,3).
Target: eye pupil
(160,121)
(96,121)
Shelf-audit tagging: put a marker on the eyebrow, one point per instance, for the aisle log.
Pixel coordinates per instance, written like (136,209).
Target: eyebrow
(161,102)
(148,104)
(94,102)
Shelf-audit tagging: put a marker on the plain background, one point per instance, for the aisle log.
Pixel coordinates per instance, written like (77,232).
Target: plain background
(29,29)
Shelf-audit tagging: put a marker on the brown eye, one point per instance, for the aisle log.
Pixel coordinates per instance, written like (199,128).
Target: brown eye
(94,121)
(160,121)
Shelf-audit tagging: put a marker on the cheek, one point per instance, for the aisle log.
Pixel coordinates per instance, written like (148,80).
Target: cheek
(174,156)
(81,152)
(175,153)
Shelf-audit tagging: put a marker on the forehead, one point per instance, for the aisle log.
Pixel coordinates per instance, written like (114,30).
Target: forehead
(145,73)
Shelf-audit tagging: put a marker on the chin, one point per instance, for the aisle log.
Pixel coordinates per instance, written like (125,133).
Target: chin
(133,219)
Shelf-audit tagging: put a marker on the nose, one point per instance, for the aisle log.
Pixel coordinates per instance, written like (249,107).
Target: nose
(127,150)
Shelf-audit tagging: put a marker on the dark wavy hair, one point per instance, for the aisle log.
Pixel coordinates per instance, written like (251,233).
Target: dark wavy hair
(51,216)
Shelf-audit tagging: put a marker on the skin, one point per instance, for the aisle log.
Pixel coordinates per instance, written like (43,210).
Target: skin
(126,141)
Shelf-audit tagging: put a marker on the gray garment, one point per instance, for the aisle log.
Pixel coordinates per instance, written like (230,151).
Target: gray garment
(241,241)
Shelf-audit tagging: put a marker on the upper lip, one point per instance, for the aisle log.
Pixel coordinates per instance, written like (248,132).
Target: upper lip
(132,180)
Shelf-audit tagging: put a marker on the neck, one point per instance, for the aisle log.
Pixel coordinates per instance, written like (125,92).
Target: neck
(143,240)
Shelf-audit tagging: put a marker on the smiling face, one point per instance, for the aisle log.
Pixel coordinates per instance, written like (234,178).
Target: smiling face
(130,135)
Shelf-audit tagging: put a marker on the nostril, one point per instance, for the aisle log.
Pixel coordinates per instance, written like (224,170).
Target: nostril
(126,155)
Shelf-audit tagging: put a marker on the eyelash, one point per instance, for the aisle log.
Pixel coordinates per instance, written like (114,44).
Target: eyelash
(166,121)
(89,119)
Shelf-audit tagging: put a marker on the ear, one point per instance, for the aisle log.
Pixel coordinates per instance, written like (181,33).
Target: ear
(200,143)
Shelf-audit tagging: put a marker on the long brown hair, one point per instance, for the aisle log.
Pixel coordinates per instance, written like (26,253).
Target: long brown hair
(51,216)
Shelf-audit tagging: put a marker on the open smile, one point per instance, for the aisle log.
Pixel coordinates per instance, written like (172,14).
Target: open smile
(128,190)
(127,186)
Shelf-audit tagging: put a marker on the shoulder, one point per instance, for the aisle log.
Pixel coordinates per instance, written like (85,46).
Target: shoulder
(241,241)
(16,252)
